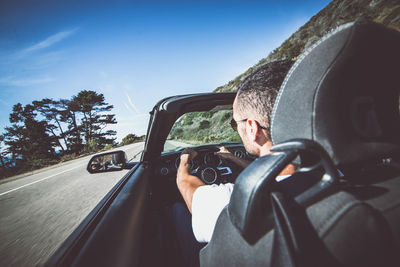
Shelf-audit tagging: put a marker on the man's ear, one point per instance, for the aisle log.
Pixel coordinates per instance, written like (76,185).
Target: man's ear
(252,129)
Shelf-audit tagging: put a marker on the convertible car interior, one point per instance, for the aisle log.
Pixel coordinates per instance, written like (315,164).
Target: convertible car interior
(346,93)
(336,117)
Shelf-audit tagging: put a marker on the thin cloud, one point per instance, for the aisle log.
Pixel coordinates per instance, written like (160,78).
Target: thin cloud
(128,107)
(131,103)
(11,81)
(49,41)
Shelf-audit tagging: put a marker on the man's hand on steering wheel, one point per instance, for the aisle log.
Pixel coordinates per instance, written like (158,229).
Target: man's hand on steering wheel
(187,155)
(224,153)
(186,182)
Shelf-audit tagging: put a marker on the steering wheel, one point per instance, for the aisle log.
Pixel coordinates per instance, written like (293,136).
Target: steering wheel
(211,168)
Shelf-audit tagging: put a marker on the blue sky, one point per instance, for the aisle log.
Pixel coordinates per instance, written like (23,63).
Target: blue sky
(135,52)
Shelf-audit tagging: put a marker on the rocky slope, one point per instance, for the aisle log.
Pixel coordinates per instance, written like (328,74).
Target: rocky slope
(333,15)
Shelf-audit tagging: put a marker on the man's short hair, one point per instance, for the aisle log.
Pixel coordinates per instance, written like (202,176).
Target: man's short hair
(257,93)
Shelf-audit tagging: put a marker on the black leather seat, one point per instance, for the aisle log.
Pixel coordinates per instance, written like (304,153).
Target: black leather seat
(342,93)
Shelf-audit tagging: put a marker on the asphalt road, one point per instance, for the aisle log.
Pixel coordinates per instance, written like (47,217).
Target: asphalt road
(40,210)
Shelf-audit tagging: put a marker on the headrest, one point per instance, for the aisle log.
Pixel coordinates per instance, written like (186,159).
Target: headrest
(343,93)
(249,205)
(250,208)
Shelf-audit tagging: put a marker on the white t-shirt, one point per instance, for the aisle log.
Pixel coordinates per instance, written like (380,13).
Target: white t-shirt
(207,203)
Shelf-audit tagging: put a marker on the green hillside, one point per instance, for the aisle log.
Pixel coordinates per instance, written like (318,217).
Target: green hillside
(333,15)
(204,128)
(210,127)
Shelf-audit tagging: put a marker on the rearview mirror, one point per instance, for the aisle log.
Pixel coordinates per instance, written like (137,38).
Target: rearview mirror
(106,162)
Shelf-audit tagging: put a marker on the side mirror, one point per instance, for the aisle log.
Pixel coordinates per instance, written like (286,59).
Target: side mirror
(109,161)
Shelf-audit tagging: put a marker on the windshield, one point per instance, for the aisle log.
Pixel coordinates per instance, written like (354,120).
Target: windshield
(202,128)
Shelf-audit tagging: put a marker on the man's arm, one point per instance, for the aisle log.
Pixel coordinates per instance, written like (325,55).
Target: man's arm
(226,154)
(186,182)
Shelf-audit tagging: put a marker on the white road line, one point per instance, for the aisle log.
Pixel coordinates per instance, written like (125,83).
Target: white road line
(48,177)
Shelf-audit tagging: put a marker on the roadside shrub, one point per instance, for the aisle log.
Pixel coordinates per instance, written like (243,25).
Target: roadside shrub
(129,139)
(187,119)
(40,163)
(176,133)
(108,147)
(91,146)
(204,124)
(207,114)
(226,115)
(67,157)
(234,137)
(214,138)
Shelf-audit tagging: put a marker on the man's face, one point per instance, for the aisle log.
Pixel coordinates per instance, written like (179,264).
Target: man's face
(241,128)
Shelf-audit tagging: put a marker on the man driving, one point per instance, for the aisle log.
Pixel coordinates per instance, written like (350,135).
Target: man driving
(252,109)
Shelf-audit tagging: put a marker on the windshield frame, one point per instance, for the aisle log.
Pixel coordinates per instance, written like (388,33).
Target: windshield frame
(168,110)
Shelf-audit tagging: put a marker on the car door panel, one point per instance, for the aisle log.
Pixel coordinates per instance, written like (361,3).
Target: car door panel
(112,234)
(117,239)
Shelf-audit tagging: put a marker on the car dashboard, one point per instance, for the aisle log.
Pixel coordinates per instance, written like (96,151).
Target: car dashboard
(207,166)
